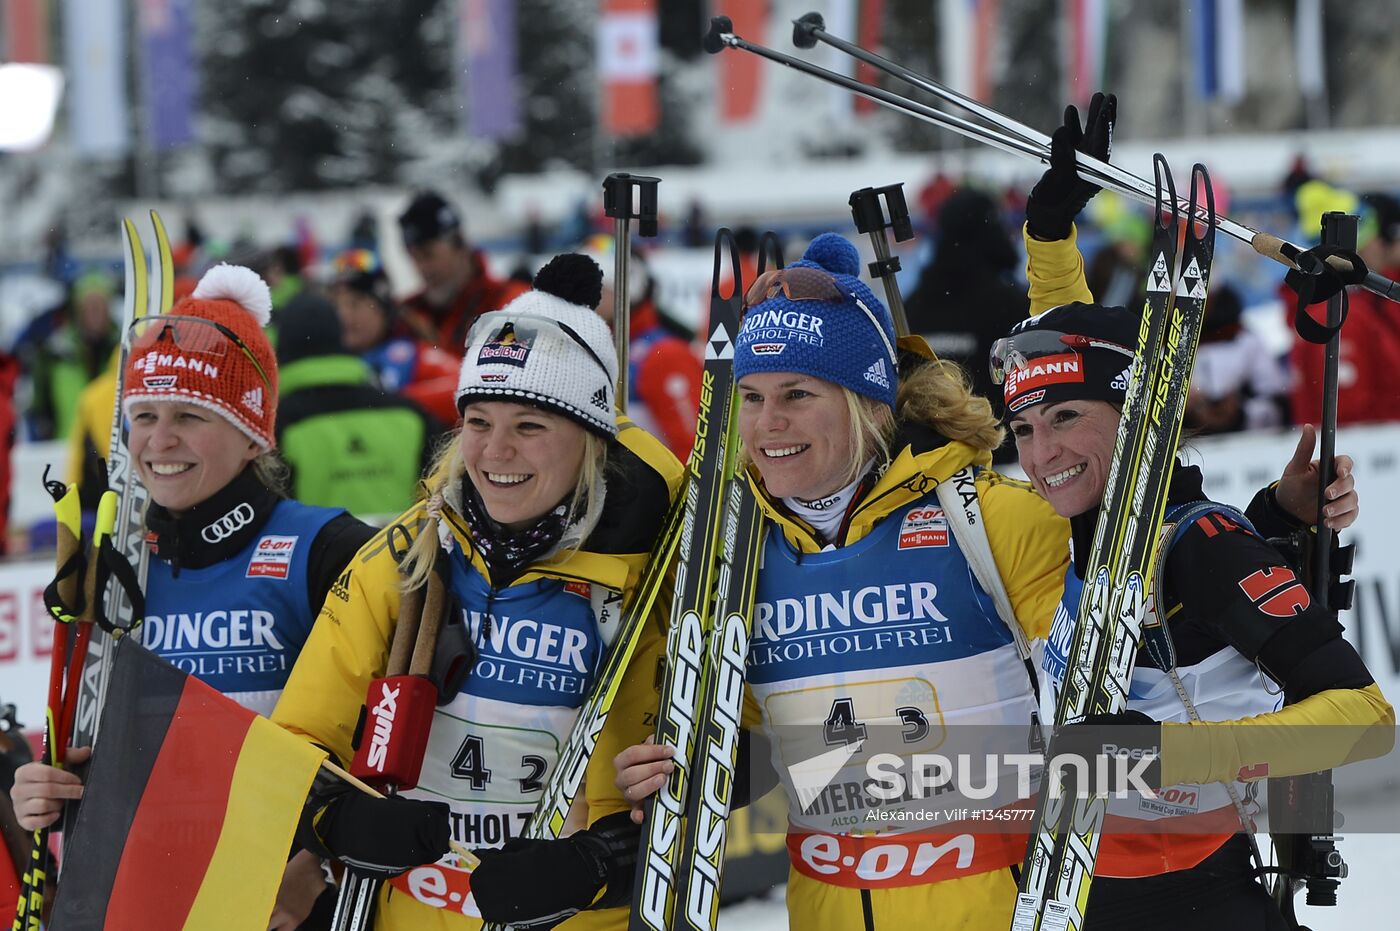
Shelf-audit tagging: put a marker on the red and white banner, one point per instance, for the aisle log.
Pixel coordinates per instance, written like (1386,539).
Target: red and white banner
(740,76)
(26,26)
(628,62)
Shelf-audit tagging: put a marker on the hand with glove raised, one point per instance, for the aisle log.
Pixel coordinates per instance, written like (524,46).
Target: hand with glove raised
(1127,737)
(1061,194)
(380,837)
(536,884)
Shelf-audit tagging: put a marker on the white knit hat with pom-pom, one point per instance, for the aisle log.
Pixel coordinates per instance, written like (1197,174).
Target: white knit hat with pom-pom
(548,348)
(210,350)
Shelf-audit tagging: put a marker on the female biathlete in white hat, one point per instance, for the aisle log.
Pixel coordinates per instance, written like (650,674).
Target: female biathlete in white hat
(546,506)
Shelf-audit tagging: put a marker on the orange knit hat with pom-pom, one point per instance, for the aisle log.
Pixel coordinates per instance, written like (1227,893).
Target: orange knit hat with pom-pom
(210,350)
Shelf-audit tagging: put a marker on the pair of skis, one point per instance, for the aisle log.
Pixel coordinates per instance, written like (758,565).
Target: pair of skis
(680,861)
(82,644)
(1059,865)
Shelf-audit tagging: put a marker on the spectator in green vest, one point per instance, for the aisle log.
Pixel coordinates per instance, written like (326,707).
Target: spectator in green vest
(73,355)
(347,441)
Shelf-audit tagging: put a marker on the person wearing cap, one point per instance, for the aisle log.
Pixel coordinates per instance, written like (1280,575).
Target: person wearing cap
(346,441)
(663,371)
(200,390)
(1247,634)
(457,286)
(545,506)
(868,618)
(1249,645)
(402,363)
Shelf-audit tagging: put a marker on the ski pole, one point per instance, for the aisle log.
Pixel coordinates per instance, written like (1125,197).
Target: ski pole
(64,607)
(810,29)
(618,204)
(1118,180)
(1312,853)
(869,216)
(401,737)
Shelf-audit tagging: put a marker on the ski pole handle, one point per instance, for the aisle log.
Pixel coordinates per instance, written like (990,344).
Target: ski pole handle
(68,513)
(618,201)
(869,216)
(406,629)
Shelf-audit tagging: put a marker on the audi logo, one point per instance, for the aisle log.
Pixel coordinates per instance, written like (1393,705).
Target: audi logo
(229,524)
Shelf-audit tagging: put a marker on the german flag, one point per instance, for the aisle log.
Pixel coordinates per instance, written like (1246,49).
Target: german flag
(189,811)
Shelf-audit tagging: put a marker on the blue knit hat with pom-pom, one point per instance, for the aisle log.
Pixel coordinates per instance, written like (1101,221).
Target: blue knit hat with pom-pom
(850,342)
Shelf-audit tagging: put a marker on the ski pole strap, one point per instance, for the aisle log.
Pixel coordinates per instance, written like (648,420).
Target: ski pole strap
(958,497)
(113,565)
(1315,280)
(61,607)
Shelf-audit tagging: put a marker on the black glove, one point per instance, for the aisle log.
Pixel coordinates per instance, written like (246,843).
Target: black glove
(537,884)
(1129,733)
(1060,193)
(381,837)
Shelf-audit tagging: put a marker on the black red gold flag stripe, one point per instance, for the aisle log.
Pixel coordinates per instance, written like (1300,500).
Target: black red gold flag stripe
(189,810)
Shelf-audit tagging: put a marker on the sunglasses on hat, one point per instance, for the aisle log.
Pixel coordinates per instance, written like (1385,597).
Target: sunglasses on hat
(1017,351)
(796,284)
(194,335)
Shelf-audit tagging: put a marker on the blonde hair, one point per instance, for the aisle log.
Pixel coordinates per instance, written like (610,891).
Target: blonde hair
(448,467)
(936,393)
(272,470)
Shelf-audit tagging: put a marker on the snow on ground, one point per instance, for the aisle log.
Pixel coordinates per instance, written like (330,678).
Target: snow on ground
(1363,900)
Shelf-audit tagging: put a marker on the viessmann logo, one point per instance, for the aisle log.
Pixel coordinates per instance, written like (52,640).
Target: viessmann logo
(226,526)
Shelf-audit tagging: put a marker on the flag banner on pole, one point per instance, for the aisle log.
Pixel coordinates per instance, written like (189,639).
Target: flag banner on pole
(869,28)
(27,31)
(1220,56)
(172,80)
(487,46)
(1307,40)
(740,76)
(95,39)
(189,811)
(1086,38)
(841,20)
(628,62)
(968,34)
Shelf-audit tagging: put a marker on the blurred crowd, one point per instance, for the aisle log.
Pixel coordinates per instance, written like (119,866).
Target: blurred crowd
(368,368)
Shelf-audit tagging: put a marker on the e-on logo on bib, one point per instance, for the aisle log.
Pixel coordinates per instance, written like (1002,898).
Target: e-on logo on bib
(272,558)
(923,526)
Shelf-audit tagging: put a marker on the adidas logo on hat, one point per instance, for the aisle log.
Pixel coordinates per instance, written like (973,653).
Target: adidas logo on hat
(253,400)
(600,399)
(878,374)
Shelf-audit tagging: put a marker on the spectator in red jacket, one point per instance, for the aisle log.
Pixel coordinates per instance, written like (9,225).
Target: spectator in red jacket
(403,364)
(663,371)
(457,286)
(1369,369)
